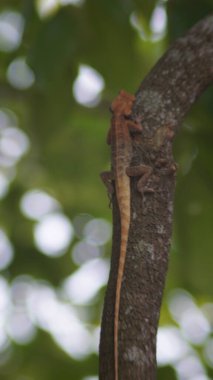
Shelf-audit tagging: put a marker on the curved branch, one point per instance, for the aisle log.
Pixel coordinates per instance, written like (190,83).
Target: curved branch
(163,99)
(178,78)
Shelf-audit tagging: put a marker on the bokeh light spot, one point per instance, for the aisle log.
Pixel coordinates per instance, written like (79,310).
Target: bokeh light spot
(79,223)
(192,321)
(4,292)
(20,290)
(19,74)
(4,306)
(170,345)
(53,234)
(4,185)
(179,300)
(137,25)
(60,320)
(190,367)
(159,21)
(88,86)
(13,143)
(96,339)
(7,118)
(35,204)
(84,284)
(20,327)
(97,232)
(83,252)
(73,339)
(195,326)
(46,7)
(11,30)
(73,2)
(6,251)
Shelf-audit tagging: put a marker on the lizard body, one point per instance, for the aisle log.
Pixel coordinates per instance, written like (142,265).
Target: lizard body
(121,146)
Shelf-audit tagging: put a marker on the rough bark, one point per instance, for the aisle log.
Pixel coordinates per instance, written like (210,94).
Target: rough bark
(163,99)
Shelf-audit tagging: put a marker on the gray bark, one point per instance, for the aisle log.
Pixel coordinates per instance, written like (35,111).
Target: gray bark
(162,101)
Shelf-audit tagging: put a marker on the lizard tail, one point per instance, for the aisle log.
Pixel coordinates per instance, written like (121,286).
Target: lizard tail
(125,222)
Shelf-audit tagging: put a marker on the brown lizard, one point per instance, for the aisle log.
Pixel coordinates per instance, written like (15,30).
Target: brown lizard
(120,139)
(121,146)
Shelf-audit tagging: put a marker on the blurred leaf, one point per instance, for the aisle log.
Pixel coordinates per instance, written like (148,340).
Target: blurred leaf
(68,151)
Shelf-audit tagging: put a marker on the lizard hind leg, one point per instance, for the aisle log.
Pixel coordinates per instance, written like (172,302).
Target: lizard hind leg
(108,180)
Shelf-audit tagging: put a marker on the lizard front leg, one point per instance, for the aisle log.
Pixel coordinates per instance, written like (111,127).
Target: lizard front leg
(144,172)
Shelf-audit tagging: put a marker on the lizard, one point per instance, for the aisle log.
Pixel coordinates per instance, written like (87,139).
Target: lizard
(120,139)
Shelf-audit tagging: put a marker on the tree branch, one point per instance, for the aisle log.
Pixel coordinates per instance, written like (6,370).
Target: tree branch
(177,80)
(163,99)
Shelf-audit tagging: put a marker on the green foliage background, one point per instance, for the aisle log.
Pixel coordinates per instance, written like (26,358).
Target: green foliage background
(68,151)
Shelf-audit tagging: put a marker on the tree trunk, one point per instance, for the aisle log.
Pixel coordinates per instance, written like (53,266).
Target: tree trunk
(162,101)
